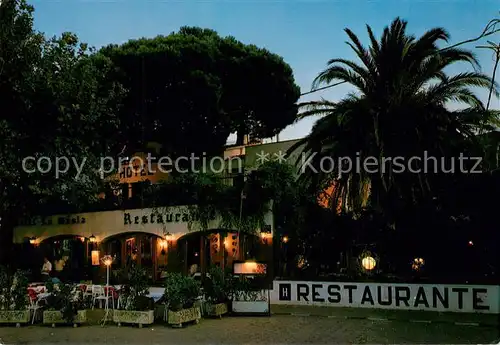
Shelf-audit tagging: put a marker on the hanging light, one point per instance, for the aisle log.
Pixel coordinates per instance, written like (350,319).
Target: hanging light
(168,236)
(92,239)
(417,264)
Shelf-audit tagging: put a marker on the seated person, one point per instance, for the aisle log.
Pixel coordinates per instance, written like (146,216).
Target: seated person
(46,269)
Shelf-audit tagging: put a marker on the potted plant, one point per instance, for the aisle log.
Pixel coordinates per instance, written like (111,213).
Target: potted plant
(13,301)
(136,307)
(249,297)
(216,291)
(63,306)
(181,293)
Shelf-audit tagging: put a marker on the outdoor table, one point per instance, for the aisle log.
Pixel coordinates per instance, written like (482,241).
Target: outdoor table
(43,295)
(32,285)
(38,289)
(155,296)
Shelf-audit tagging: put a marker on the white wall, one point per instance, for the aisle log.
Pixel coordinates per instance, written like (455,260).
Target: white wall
(445,298)
(108,223)
(101,224)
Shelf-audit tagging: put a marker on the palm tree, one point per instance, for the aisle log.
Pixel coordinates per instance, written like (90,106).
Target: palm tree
(400,108)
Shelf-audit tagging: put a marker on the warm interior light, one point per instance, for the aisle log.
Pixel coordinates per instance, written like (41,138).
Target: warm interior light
(95,258)
(285,239)
(265,235)
(250,267)
(33,240)
(163,244)
(368,263)
(82,239)
(169,236)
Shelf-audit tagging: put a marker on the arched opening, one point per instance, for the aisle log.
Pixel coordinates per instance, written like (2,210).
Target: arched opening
(133,249)
(219,247)
(68,255)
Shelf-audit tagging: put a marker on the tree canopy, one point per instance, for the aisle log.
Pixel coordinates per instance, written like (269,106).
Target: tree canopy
(400,109)
(191,89)
(58,100)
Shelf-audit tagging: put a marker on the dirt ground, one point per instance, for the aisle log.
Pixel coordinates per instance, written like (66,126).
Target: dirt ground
(278,329)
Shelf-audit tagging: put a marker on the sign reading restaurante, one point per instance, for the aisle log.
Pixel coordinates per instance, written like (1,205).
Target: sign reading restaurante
(144,216)
(457,298)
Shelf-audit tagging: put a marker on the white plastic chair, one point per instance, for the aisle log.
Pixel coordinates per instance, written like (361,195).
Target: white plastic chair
(34,306)
(98,294)
(88,291)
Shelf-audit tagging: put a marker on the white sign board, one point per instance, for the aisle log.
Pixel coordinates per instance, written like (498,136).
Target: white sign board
(444,298)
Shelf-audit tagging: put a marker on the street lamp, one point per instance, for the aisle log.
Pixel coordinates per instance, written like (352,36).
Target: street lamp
(368,263)
(107,260)
(92,239)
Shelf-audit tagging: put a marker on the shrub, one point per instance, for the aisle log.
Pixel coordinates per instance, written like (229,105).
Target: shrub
(13,290)
(180,291)
(62,299)
(135,293)
(216,286)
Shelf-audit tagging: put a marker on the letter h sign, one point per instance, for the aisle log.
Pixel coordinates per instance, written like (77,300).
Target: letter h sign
(285,292)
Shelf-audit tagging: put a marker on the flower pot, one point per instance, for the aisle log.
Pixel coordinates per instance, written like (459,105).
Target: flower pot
(14,316)
(55,317)
(250,307)
(216,310)
(134,317)
(177,318)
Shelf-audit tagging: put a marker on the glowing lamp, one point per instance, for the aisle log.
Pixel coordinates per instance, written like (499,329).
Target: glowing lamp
(368,263)
(471,243)
(82,239)
(285,239)
(417,264)
(107,260)
(92,239)
(33,240)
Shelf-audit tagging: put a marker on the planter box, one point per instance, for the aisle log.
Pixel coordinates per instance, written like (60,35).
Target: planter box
(14,316)
(177,318)
(250,307)
(216,310)
(55,317)
(135,317)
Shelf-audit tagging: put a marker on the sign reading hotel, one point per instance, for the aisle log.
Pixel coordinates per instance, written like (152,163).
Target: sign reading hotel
(128,171)
(452,298)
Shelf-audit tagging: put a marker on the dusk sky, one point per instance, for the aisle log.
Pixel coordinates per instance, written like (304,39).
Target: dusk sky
(305,33)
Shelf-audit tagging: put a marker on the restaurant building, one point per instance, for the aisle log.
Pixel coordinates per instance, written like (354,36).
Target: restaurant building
(159,239)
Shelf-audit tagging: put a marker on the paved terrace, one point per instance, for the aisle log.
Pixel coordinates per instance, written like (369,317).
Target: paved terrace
(325,327)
